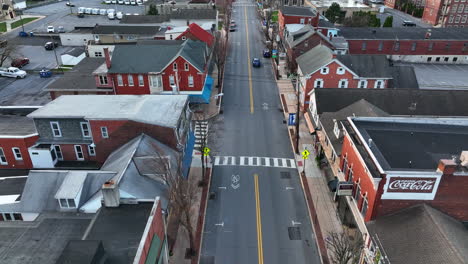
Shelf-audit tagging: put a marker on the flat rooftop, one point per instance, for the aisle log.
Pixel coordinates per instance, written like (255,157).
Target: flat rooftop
(39,242)
(403,33)
(343,4)
(413,143)
(120,229)
(16,125)
(440,76)
(12,185)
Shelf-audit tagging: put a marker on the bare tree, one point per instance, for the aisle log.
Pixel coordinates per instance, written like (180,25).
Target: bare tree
(203,136)
(7,51)
(344,249)
(220,54)
(227,13)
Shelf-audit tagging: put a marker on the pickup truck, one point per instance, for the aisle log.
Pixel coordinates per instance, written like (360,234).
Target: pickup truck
(13,72)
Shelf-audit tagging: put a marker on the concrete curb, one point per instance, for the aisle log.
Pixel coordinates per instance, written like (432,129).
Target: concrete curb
(201,226)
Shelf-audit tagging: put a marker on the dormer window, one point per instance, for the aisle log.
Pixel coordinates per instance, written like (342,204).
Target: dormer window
(336,129)
(324,70)
(68,195)
(67,203)
(340,70)
(174,66)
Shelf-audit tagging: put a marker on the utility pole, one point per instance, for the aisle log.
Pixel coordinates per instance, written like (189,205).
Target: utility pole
(22,23)
(298,93)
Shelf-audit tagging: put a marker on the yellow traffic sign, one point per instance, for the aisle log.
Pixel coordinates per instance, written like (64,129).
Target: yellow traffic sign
(206,151)
(305,154)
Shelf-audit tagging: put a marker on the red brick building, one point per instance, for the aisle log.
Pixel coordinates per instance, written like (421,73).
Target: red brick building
(436,45)
(430,168)
(296,15)
(195,32)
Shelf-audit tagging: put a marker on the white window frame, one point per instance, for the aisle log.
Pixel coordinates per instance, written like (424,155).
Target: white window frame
(158,79)
(171,80)
(186,66)
(3,157)
(336,129)
(59,157)
(357,193)
(104,132)
(84,130)
(324,70)
(174,66)
(52,123)
(98,54)
(302,21)
(76,152)
(362,83)
(18,156)
(91,150)
(141,81)
(321,83)
(379,84)
(340,71)
(191,81)
(365,202)
(67,202)
(103,80)
(119,80)
(130,80)
(343,83)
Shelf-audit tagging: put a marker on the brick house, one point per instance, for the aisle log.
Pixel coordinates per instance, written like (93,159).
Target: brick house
(296,15)
(436,45)
(172,69)
(73,131)
(321,68)
(195,32)
(431,168)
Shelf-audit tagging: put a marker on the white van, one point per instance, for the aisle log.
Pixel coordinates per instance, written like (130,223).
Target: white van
(103,12)
(110,11)
(88,11)
(119,15)
(81,10)
(111,16)
(95,11)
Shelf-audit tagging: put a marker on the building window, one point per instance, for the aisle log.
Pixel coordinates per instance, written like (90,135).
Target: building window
(437,59)
(451,19)
(364,45)
(454,8)
(350,174)
(3,159)
(79,152)
(91,150)
(397,46)
(431,46)
(364,207)
(174,66)
(344,168)
(67,203)
(103,79)
(186,66)
(17,153)
(190,81)
(343,83)
(155,81)
(413,46)
(429,59)
(56,132)
(119,80)
(362,84)
(97,54)
(464,18)
(58,152)
(140,80)
(170,37)
(466,9)
(457,19)
(302,21)
(454,59)
(171,80)
(460,8)
(63,203)
(446,59)
(380,46)
(357,193)
(85,129)
(379,84)
(130,80)
(104,133)
(318,83)
(324,70)
(340,70)
(17,217)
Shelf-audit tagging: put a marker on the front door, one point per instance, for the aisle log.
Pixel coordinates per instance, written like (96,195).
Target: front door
(156,85)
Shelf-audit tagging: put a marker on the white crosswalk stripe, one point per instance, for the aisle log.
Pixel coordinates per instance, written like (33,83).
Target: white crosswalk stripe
(201,129)
(254,161)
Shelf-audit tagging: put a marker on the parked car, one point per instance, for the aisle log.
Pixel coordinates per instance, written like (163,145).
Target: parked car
(408,23)
(128,14)
(266,53)
(50,29)
(110,11)
(120,2)
(256,63)
(114,2)
(132,2)
(95,11)
(88,11)
(127,2)
(103,12)
(119,15)
(80,15)
(13,72)
(19,62)
(232,28)
(70,4)
(139,2)
(50,45)
(60,29)
(81,10)
(107,2)
(111,16)
(136,14)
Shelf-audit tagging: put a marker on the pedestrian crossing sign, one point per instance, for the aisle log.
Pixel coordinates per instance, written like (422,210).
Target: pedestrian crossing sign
(206,151)
(305,154)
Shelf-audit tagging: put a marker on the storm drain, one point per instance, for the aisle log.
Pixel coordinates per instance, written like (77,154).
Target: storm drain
(294,233)
(285,175)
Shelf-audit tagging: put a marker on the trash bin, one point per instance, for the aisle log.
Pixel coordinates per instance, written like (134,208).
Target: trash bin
(45,73)
(31,34)
(23,34)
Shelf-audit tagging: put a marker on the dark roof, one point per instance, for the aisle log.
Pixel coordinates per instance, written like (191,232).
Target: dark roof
(403,33)
(120,229)
(396,101)
(325,24)
(403,77)
(159,42)
(147,19)
(12,185)
(208,13)
(425,142)
(420,235)
(369,66)
(82,252)
(123,29)
(134,59)
(75,52)
(298,11)
(359,108)
(16,125)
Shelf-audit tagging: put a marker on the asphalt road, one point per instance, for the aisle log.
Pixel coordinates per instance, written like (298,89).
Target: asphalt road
(27,91)
(250,219)
(399,17)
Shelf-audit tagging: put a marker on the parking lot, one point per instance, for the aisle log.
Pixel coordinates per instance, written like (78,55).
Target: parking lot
(27,91)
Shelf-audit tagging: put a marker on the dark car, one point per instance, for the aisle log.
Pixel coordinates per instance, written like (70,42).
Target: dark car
(20,62)
(70,4)
(80,15)
(256,63)
(409,24)
(232,27)
(50,45)
(266,53)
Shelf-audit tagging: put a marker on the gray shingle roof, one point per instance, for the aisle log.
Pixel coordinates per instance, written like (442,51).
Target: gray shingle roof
(16,125)
(421,235)
(403,33)
(124,29)
(75,52)
(298,11)
(367,65)
(296,37)
(403,77)
(179,14)
(314,59)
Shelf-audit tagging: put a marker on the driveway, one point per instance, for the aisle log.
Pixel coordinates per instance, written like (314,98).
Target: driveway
(28,91)
(40,58)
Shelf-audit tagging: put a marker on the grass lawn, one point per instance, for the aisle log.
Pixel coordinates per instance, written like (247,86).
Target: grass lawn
(3,27)
(274,16)
(25,20)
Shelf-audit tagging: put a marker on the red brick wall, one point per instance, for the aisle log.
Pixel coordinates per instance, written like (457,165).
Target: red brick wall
(431,12)
(422,47)
(68,152)
(390,3)
(302,48)
(156,228)
(284,20)
(23,144)
(182,76)
(135,89)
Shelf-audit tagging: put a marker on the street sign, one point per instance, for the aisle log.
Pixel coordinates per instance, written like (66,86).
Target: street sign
(344,188)
(305,154)
(292,119)
(206,151)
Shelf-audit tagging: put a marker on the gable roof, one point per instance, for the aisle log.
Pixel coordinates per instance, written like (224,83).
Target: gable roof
(369,66)
(161,110)
(314,59)
(124,29)
(295,37)
(200,33)
(396,101)
(298,11)
(430,236)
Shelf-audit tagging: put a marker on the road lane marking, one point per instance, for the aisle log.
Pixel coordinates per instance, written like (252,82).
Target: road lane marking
(254,161)
(248,62)
(259,221)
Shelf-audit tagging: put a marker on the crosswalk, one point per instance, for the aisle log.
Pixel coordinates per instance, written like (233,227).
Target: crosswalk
(254,161)
(201,131)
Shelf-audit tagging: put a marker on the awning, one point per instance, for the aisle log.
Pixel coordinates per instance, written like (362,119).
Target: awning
(205,97)
(309,123)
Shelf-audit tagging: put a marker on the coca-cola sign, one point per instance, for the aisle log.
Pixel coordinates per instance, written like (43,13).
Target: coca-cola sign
(411,185)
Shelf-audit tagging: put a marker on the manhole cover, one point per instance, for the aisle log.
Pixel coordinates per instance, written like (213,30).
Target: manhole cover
(285,175)
(294,233)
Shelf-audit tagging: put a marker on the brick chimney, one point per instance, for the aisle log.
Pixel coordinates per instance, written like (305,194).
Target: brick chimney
(447,166)
(110,194)
(428,34)
(108,58)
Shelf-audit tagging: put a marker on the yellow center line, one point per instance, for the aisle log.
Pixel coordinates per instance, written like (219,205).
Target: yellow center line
(248,61)
(259,221)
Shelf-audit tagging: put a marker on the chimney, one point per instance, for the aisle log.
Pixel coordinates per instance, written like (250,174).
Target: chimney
(447,166)
(110,194)
(428,34)
(330,36)
(369,142)
(108,58)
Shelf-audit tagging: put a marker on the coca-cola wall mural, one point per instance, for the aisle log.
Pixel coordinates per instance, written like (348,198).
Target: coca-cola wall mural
(411,186)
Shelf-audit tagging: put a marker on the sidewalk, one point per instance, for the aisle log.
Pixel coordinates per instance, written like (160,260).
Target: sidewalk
(322,209)
(17,18)
(213,108)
